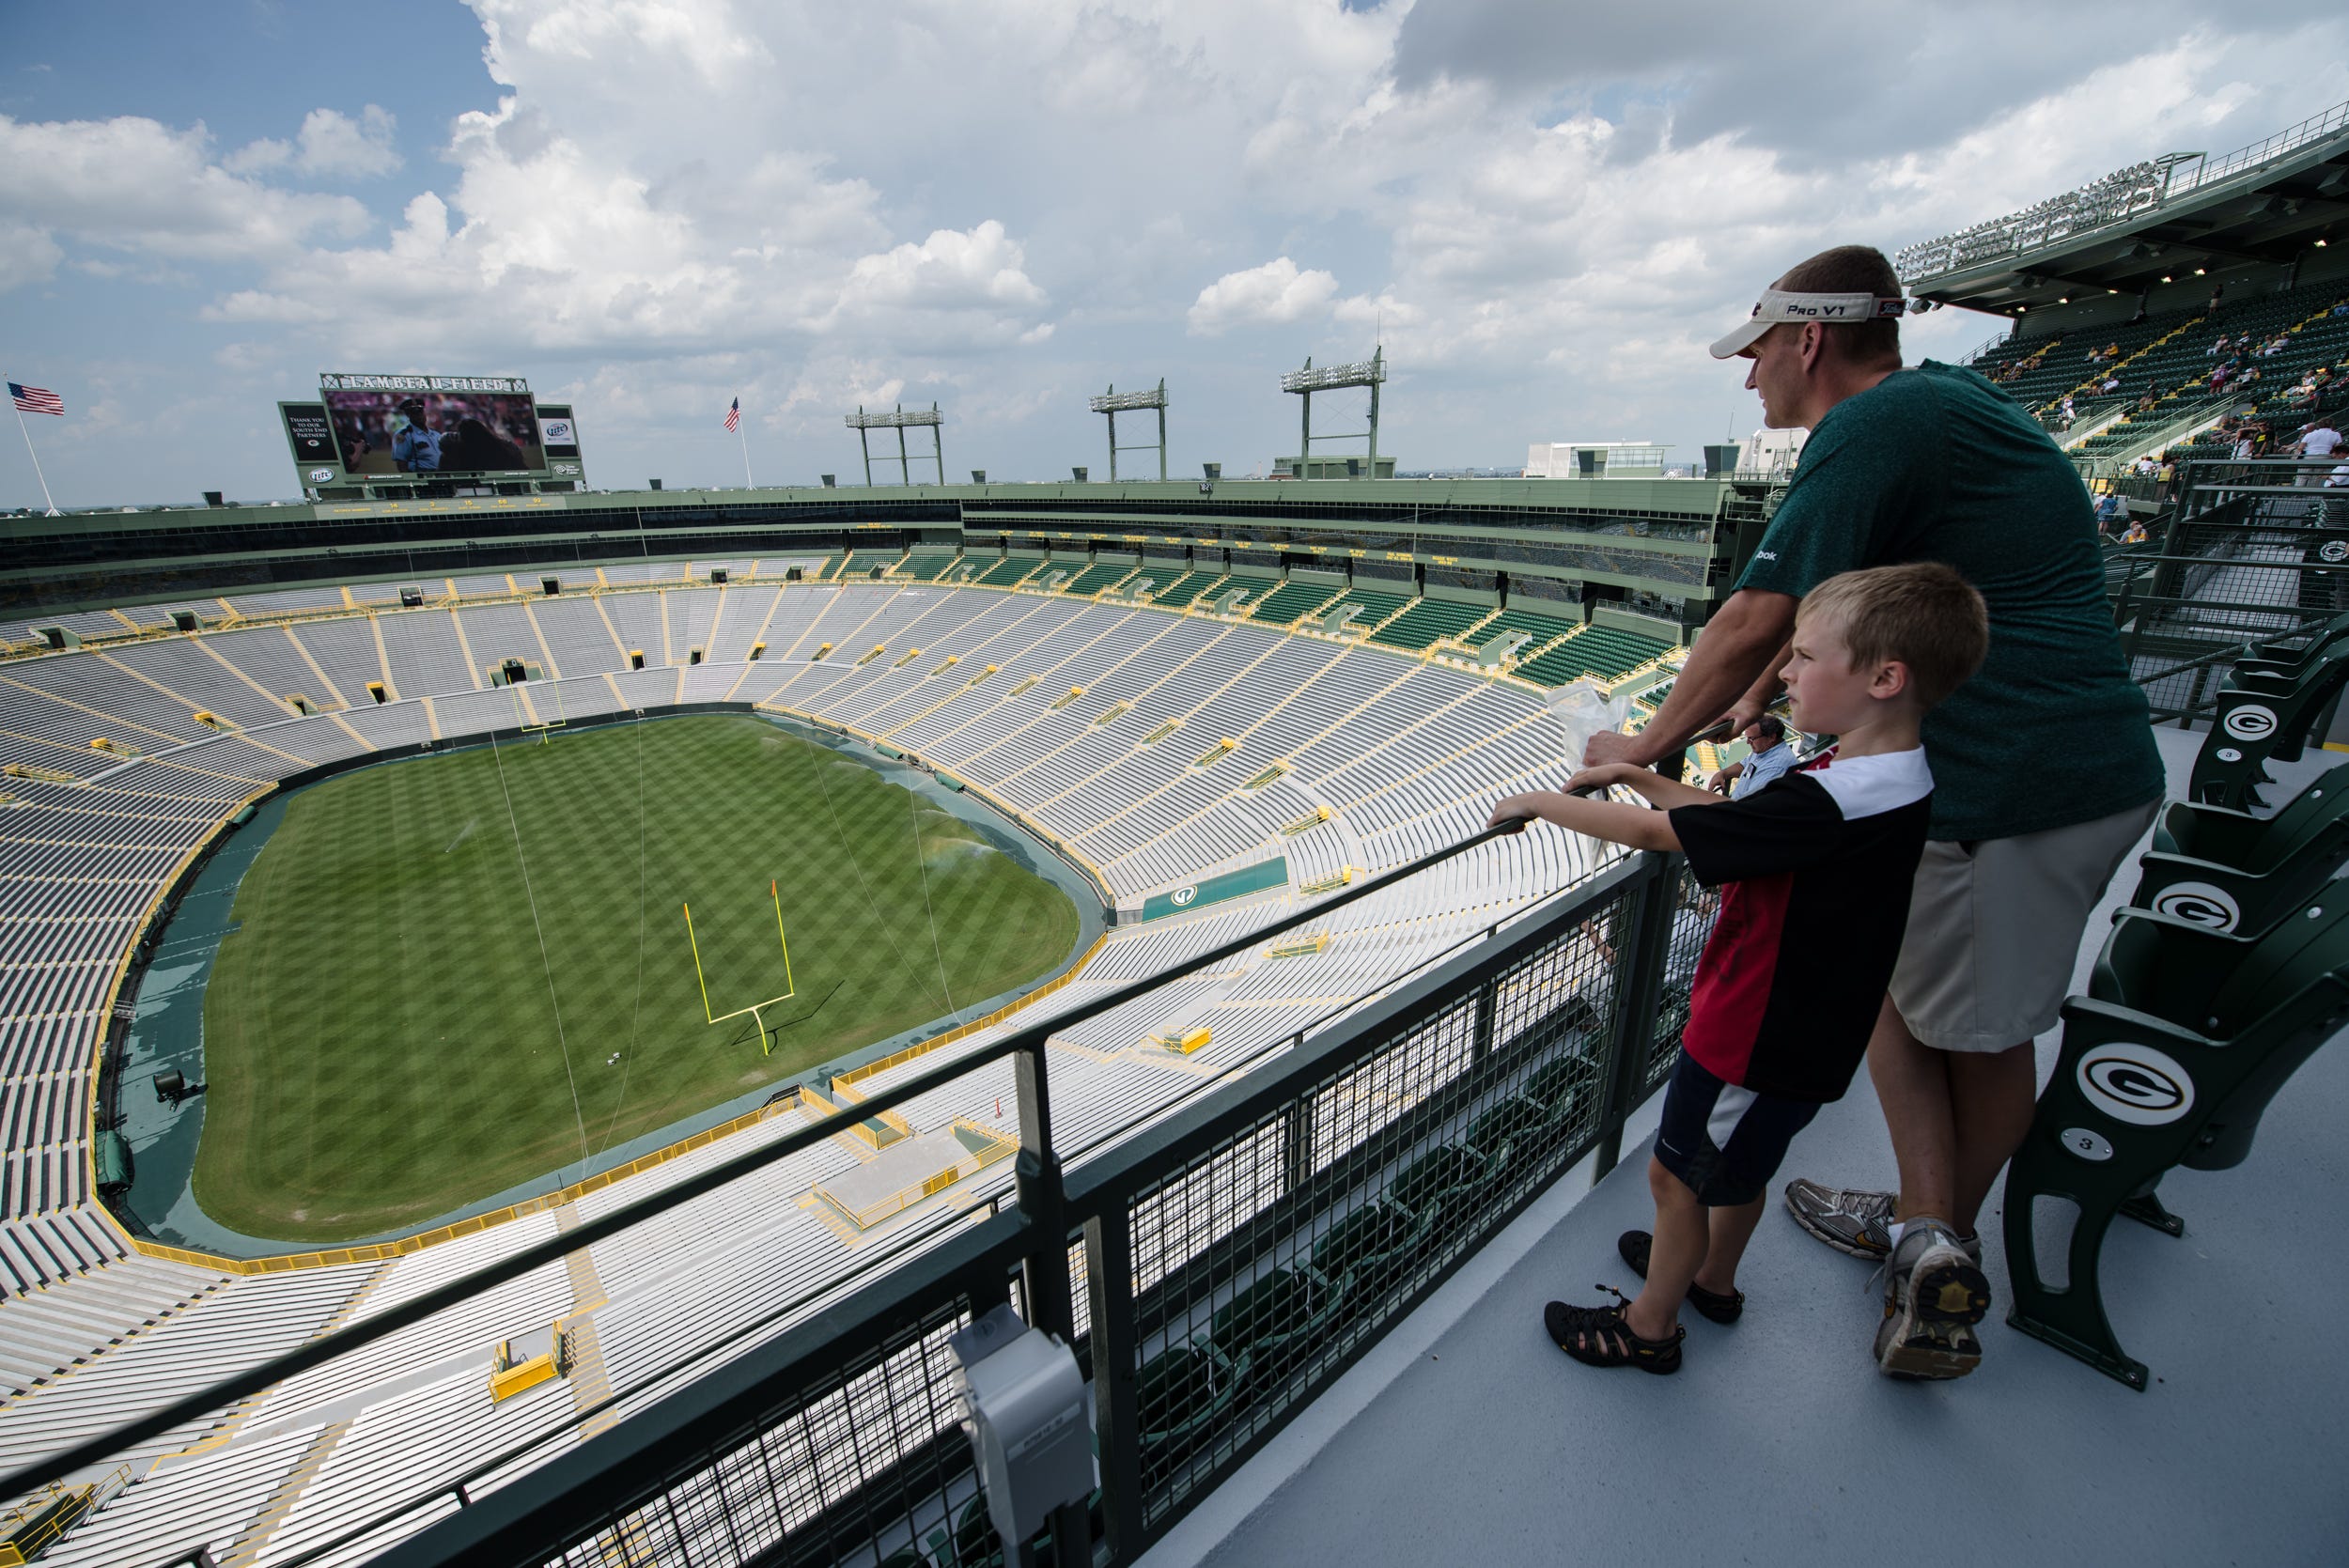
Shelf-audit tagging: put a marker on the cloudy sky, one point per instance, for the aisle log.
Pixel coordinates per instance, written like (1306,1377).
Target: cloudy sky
(653,206)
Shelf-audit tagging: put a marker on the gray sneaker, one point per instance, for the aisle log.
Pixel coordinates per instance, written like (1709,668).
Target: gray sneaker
(1933,1294)
(1852,1220)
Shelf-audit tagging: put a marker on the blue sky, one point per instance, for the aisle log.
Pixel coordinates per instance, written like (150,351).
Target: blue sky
(652,206)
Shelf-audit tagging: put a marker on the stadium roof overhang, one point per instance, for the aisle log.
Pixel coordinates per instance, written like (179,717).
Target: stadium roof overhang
(2271,214)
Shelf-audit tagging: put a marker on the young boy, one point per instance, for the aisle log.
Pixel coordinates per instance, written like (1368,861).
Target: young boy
(1816,869)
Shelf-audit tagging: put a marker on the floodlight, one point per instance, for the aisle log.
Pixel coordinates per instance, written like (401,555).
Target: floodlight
(1114,402)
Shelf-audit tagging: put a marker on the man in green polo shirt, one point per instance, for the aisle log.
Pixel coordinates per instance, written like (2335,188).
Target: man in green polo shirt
(2044,769)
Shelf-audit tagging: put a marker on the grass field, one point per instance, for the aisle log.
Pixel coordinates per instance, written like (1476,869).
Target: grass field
(380,1031)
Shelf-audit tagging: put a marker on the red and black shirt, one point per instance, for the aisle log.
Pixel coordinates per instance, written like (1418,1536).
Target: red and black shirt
(1815,870)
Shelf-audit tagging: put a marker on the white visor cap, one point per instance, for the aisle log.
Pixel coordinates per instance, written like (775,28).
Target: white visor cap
(1777,305)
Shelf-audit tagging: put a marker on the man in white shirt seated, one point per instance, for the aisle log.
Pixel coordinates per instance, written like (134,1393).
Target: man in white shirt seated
(1771,756)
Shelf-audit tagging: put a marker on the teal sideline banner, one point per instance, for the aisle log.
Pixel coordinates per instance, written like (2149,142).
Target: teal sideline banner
(1216,890)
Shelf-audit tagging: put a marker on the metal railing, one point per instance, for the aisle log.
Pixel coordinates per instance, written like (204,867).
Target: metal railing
(2252,549)
(2282,144)
(1229,1260)
(2115,198)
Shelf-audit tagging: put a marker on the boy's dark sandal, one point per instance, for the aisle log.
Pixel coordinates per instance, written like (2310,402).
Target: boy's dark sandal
(1635,1245)
(1602,1337)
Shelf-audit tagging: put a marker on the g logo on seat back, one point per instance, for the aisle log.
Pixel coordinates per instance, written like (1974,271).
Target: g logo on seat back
(2334,550)
(1184,895)
(2136,1084)
(2252,722)
(2200,902)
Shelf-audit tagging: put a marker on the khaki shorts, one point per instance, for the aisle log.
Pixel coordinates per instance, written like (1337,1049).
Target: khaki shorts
(1994,935)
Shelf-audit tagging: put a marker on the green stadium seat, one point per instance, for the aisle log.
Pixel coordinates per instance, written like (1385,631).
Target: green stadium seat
(1179,594)
(1182,1394)
(1428,622)
(1369,1233)
(1565,1086)
(2258,719)
(1436,1173)
(1291,602)
(2185,1036)
(1097,579)
(1272,1325)
(1374,608)
(2231,871)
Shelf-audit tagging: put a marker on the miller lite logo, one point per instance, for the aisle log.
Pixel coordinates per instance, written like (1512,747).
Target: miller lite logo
(321,475)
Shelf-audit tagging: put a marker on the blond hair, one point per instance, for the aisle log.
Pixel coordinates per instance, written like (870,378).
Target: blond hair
(1922,615)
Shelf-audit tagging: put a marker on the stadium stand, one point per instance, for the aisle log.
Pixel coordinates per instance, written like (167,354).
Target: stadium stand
(1400,753)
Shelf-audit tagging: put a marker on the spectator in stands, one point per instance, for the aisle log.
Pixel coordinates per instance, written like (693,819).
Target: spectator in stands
(2217,347)
(2217,293)
(2048,775)
(2109,510)
(2318,440)
(2135,534)
(1771,756)
(2111,384)
(2112,351)
(1816,870)
(2148,401)
(2067,412)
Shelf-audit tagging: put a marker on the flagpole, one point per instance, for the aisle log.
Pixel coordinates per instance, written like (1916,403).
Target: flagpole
(738,435)
(36,457)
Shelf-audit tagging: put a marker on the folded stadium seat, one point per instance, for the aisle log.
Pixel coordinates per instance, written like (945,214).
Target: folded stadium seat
(1519,1128)
(1441,1171)
(2257,718)
(2185,1036)
(1181,1396)
(2231,871)
(1270,1327)
(1358,1250)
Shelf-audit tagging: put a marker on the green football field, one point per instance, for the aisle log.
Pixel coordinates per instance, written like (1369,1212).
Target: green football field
(453,974)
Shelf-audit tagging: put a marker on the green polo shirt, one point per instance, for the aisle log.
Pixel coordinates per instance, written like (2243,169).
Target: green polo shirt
(1934,463)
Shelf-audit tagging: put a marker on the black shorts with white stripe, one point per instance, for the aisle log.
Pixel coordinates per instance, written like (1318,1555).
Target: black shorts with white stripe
(1723,1142)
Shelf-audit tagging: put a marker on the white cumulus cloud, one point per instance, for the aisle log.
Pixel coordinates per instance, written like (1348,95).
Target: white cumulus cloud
(1273,294)
(330,144)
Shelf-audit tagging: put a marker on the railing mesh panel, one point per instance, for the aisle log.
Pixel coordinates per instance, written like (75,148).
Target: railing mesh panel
(852,1472)
(1268,1259)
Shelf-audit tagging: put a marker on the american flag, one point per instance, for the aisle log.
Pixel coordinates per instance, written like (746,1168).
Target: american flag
(734,414)
(36,399)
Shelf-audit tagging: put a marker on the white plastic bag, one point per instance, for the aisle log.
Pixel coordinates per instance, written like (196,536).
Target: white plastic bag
(1582,710)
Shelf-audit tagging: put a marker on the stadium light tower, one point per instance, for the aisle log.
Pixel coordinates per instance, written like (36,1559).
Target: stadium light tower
(1305,383)
(899,420)
(1114,402)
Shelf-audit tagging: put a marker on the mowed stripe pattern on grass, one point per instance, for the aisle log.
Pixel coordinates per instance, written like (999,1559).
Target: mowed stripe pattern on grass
(380,1035)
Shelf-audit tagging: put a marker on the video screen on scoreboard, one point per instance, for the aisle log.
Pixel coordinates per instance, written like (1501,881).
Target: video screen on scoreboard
(428,432)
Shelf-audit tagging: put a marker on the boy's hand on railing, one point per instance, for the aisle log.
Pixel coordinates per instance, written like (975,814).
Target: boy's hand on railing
(1512,813)
(1596,780)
